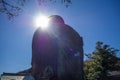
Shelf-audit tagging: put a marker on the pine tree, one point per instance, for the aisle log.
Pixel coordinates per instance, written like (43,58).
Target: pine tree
(101,62)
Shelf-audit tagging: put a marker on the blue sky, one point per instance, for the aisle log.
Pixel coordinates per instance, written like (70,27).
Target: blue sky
(94,20)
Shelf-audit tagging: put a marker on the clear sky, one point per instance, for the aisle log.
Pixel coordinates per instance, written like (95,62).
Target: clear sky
(94,20)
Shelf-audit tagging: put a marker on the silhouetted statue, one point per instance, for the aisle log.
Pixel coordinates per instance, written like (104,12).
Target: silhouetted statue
(57,53)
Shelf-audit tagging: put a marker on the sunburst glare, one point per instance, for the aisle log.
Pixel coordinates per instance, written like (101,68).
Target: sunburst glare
(41,21)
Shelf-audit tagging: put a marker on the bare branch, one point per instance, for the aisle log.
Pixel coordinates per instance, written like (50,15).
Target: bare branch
(10,9)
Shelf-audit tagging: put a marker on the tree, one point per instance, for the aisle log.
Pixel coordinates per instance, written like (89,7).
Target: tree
(13,7)
(101,62)
(91,70)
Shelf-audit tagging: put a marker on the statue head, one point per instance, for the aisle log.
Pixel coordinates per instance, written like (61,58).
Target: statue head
(56,51)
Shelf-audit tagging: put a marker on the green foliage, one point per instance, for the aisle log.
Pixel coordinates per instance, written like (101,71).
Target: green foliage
(100,62)
(90,70)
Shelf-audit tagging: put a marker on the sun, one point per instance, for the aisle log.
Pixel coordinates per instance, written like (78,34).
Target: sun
(41,21)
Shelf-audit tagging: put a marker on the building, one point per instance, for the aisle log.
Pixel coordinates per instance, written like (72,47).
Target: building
(16,76)
(114,75)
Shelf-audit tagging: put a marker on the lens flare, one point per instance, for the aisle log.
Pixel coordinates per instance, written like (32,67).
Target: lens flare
(42,22)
